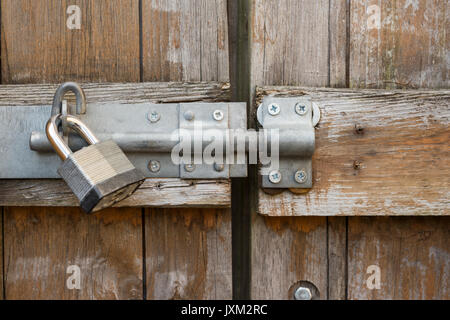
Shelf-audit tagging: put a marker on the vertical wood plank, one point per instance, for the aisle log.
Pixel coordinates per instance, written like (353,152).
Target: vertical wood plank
(290,45)
(105,48)
(338,42)
(337,258)
(411,253)
(399,44)
(41,244)
(185,40)
(408,48)
(188,252)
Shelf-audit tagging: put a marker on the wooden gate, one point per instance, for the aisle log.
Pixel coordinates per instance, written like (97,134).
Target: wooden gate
(229,241)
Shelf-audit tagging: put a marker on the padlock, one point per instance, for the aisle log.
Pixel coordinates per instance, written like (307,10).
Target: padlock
(100,174)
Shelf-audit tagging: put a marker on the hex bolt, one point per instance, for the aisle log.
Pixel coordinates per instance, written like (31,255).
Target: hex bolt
(189,167)
(154,166)
(301,108)
(218,115)
(275,176)
(273,109)
(153,116)
(300,176)
(302,293)
(189,115)
(219,167)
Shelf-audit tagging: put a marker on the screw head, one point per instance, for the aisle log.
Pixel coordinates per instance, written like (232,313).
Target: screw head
(275,176)
(154,166)
(218,115)
(301,108)
(273,109)
(300,176)
(302,293)
(189,115)
(219,167)
(189,167)
(153,116)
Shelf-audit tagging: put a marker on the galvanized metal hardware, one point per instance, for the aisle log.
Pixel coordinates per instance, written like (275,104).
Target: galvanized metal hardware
(99,174)
(148,133)
(295,118)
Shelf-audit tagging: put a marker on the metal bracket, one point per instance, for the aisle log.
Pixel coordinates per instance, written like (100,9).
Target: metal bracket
(148,133)
(295,118)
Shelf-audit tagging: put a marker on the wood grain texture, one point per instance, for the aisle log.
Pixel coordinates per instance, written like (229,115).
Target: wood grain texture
(285,251)
(41,243)
(337,258)
(153,193)
(123,93)
(394,142)
(411,252)
(399,44)
(289,42)
(337,29)
(289,45)
(106,48)
(409,50)
(185,40)
(188,254)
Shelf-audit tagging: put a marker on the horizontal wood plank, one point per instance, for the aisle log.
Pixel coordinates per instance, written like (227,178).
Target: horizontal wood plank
(154,192)
(377,153)
(165,193)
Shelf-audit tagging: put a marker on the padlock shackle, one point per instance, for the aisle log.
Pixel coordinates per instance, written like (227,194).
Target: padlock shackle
(61,148)
(59,95)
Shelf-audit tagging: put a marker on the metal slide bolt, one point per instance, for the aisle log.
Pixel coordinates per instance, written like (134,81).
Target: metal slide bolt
(154,166)
(275,176)
(302,293)
(300,176)
(273,109)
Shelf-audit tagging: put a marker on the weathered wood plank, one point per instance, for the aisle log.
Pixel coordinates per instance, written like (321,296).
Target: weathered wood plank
(153,193)
(410,49)
(337,258)
(188,254)
(394,142)
(338,43)
(185,40)
(289,45)
(399,44)
(41,245)
(126,93)
(105,48)
(285,251)
(290,42)
(410,252)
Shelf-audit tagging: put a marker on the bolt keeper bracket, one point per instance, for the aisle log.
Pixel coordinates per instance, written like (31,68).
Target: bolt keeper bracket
(295,118)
